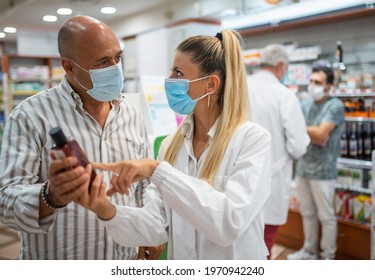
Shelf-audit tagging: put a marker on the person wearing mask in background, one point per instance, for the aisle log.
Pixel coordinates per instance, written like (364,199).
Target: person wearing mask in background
(35,194)
(277,109)
(212,178)
(316,170)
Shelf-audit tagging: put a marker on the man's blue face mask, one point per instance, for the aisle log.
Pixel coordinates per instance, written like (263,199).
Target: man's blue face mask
(284,78)
(177,95)
(107,82)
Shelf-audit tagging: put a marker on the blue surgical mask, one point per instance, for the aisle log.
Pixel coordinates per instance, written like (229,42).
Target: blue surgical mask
(107,83)
(284,78)
(177,95)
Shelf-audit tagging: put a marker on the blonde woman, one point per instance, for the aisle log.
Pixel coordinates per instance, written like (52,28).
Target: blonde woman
(212,178)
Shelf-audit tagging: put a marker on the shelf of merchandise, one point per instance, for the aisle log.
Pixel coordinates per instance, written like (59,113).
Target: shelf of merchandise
(353,238)
(353,189)
(353,93)
(359,119)
(13,95)
(363,164)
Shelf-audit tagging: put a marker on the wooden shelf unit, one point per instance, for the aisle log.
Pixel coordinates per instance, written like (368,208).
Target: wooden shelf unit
(353,239)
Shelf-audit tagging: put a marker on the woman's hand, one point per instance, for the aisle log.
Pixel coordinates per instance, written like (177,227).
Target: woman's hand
(150,253)
(95,198)
(127,172)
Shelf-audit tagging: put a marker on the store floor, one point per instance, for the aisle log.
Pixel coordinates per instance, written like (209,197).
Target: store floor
(10,247)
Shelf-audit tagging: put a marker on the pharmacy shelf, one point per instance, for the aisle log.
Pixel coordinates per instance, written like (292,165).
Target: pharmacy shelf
(359,119)
(353,93)
(353,188)
(363,164)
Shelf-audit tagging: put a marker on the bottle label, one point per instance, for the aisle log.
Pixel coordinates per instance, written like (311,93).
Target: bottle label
(353,147)
(360,148)
(58,154)
(344,147)
(367,146)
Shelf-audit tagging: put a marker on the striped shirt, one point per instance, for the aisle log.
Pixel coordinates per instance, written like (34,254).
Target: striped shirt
(71,232)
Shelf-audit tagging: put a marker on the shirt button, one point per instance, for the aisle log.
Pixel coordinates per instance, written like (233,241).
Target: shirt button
(193,254)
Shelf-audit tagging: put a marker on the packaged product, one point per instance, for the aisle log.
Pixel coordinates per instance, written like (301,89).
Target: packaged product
(367,209)
(358,207)
(342,206)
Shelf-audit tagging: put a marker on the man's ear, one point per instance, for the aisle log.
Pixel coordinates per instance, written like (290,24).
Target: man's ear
(280,66)
(328,87)
(213,83)
(67,65)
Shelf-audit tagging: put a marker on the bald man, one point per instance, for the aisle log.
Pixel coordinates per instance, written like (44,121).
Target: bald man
(37,194)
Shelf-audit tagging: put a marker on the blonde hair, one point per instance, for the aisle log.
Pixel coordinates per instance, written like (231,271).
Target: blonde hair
(221,55)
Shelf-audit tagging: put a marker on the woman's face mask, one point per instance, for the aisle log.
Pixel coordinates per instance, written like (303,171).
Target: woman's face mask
(107,83)
(316,92)
(177,95)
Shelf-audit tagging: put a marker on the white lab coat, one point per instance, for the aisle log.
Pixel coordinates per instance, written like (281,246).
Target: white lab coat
(203,222)
(277,109)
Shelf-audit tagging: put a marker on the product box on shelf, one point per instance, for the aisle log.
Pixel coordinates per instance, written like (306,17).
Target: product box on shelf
(350,178)
(342,205)
(358,207)
(368,80)
(367,209)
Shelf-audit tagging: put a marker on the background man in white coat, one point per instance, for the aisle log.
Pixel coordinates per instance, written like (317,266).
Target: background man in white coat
(277,109)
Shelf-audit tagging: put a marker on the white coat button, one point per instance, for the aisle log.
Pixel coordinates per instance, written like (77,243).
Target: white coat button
(193,254)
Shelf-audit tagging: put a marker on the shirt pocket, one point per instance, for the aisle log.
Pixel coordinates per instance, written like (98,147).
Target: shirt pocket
(122,147)
(137,147)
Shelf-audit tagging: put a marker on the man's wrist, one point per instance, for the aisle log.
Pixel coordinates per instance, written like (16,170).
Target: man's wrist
(46,197)
(109,214)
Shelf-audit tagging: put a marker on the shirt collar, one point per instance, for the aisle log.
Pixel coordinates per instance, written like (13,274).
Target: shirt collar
(74,99)
(187,127)
(268,73)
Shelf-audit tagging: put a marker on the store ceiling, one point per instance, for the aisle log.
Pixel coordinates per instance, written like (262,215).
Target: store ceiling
(28,14)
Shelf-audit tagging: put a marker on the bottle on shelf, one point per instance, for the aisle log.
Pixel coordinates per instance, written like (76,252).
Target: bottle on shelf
(344,147)
(338,65)
(353,141)
(65,147)
(339,53)
(366,138)
(360,140)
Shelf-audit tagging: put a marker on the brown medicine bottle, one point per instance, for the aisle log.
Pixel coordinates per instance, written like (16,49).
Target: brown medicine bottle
(68,147)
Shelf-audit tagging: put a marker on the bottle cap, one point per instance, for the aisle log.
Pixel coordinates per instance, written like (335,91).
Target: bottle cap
(58,136)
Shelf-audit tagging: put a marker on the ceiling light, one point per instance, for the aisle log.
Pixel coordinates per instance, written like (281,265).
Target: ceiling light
(2,35)
(50,18)
(10,29)
(229,12)
(64,11)
(108,10)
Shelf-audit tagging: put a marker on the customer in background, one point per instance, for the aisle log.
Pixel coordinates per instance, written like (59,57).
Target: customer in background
(277,109)
(212,178)
(87,105)
(316,170)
